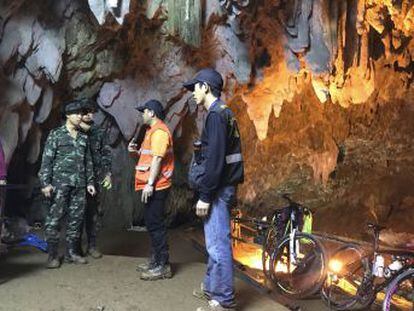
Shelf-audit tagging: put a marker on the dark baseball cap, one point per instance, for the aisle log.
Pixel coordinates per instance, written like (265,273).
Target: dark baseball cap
(155,106)
(88,105)
(73,107)
(207,75)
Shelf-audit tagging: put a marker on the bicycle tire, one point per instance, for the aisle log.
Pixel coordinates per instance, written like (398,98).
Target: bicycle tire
(333,293)
(307,274)
(269,245)
(394,296)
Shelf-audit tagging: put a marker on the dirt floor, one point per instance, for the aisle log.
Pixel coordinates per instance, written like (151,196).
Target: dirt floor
(112,283)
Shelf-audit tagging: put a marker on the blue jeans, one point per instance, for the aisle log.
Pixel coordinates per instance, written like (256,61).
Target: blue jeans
(219,281)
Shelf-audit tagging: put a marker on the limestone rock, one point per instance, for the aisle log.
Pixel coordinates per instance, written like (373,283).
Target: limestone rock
(25,121)
(234,58)
(108,94)
(34,139)
(121,105)
(152,7)
(9,133)
(32,90)
(100,9)
(45,106)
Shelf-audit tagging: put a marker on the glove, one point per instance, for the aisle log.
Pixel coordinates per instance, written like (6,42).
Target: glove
(107,182)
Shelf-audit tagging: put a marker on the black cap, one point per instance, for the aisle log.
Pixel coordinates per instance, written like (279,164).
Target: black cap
(73,107)
(155,106)
(88,105)
(207,75)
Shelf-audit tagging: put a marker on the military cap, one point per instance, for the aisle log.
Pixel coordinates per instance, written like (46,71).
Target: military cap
(73,107)
(88,105)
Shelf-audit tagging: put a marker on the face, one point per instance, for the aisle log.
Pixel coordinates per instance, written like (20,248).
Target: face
(74,118)
(147,116)
(199,93)
(87,116)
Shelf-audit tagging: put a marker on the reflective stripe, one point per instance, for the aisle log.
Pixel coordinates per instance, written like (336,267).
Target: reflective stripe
(167,174)
(146,151)
(149,151)
(233,158)
(142,167)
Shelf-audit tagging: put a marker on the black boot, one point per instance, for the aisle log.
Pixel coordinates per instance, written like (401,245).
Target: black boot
(73,255)
(53,261)
(93,251)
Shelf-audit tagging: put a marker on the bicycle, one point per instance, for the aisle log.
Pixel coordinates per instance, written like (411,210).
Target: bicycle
(356,276)
(294,261)
(400,292)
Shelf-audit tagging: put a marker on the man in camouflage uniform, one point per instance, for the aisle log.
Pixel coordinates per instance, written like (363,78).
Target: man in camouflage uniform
(65,175)
(101,156)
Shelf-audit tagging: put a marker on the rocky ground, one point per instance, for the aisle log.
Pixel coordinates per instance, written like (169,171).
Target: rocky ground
(111,284)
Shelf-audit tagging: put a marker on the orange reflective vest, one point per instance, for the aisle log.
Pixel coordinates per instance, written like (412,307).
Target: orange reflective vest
(142,169)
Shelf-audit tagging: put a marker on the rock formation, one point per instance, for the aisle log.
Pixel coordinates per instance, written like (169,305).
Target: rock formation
(322,90)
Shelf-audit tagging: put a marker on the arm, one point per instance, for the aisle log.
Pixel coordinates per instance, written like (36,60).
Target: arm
(90,174)
(159,146)
(214,156)
(106,155)
(155,169)
(3,167)
(46,168)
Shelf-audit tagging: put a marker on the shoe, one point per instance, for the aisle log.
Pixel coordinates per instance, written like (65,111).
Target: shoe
(76,259)
(53,261)
(73,255)
(157,273)
(94,253)
(214,305)
(200,293)
(145,266)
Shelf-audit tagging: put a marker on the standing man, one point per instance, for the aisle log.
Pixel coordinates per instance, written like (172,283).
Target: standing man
(101,156)
(3,183)
(65,175)
(222,170)
(153,176)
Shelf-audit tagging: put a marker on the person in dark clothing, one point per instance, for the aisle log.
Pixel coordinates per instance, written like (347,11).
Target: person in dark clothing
(3,183)
(221,171)
(101,158)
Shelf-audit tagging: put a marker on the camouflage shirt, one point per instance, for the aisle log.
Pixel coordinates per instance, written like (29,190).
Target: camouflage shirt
(66,161)
(101,152)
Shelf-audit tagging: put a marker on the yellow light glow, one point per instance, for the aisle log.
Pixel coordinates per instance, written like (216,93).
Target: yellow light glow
(335,265)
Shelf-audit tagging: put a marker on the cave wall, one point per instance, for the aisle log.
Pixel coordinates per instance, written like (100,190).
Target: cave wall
(322,91)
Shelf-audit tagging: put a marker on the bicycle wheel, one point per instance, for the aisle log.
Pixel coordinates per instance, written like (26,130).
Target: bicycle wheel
(400,292)
(298,266)
(269,246)
(344,276)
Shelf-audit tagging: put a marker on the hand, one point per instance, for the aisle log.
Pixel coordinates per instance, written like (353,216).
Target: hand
(107,182)
(132,146)
(3,182)
(202,208)
(47,191)
(147,193)
(91,190)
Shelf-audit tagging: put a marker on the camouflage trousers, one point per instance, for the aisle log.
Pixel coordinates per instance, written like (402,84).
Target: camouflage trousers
(66,201)
(93,217)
